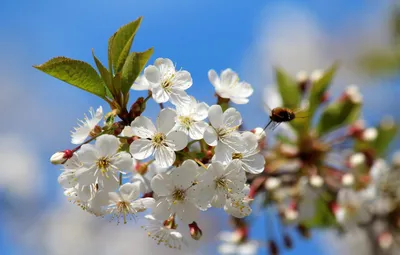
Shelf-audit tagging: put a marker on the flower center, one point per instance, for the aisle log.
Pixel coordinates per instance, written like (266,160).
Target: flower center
(222,183)
(237,155)
(159,139)
(223,132)
(103,164)
(178,195)
(167,83)
(186,121)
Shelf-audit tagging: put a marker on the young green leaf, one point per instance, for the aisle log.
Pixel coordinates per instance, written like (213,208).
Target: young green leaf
(323,216)
(105,74)
(75,72)
(134,65)
(120,44)
(337,115)
(319,88)
(288,89)
(387,131)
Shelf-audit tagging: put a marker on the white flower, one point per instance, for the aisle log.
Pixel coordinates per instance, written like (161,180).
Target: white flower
(145,178)
(167,83)
(223,133)
(88,198)
(190,119)
(357,159)
(141,83)
(272,183)
(86,126)
(163,234)
(229,86)
(160,141)
(369,134)
(177,193)
(316,181)
(250,159)
(237,204)
(220,182)
(347,179)
(101,163)
(126,201)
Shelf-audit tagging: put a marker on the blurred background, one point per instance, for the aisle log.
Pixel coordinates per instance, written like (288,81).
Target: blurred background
(251,37)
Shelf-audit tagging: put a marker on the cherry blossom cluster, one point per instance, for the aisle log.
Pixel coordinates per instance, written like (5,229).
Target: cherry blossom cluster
(157,166)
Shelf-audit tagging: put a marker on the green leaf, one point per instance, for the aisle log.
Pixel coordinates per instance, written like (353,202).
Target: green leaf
(120,44)
(323,217)
(75,72)
(337,115)
(105,74)
(319,88)
(288,89)
(387,131)
(133,67)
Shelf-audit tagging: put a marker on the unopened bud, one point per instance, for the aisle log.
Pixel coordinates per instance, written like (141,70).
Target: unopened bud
(273,247)
(353,94)
(316,75)
(141,168)
(291,214)
(316,181)
(385,240)
(137,108)
(357,128)
(369,134)
(195,231)
(347,179)
(61,157)
(302,80)
(272,183)
(287,241)
(303,230)
(357,160)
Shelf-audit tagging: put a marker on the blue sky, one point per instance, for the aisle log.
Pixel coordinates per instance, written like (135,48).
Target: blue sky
(197,35)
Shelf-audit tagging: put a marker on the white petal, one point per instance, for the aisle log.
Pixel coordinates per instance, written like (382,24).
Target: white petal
(245,89)
(166,120)
(228,77)
(177,140)
(80,134)
(215,116)
(164,156)
(88,154)
(114,197)
(182,178)
(223,153)
(164,63)
(143,127)
(141,149)
(160,95)
(197,129)
(218,200)
(161,210)
(254,164)
(127,131)
(85,176)
(239,100)
(123,161)
(107,145)
(144,203)
(183,80)
(189,214)
(179,98)
(210,136)
(200,112)
(130,191)
(162,184)
(141,83)
(152,74)
(213,77)
(231,118)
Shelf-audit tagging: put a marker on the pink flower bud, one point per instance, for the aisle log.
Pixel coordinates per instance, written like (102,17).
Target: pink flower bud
(195,231)
(61,157)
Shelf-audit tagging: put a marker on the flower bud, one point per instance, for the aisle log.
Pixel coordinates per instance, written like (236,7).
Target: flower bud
(61,157)
(195,231)
(357,128)
(273,247)
(353,94)
(385,240)
(302,81)
(357,160)
(369,134)
(316,181)
(303,230)
(291,214)
(287,241)
(347,179)
(259,132)
(316,75)
(272,183)
(137,108)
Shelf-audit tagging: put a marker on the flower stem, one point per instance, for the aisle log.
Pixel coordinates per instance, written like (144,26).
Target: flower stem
(200,163)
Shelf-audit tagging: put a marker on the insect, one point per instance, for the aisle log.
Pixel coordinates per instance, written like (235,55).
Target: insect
(279,115)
